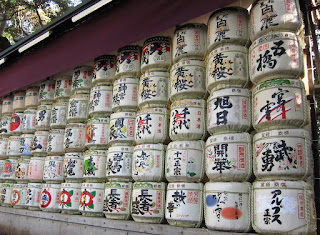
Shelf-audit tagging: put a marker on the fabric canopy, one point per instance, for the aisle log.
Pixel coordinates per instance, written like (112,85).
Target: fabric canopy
(125,23)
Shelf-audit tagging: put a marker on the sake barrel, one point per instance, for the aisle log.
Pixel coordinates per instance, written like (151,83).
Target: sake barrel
(125,94)
(104,69)
(283,154)
(189,42)
(5,126)
(21,170)
(7,105)
(5,199)
(35,169)
(94,169)
(97,133)
(279,104)
(9,169)
(227,67)
(32,94)
(153,89)
(55,142)
(148,162)
(33,196)
(18,195)
(278,15)
(117,200)
(62,87)
(91,199)
(148,202)
(100,101)
(184,161)
(3,147)
(25,146)
(119,163)
(2,161)
(227,206)
(78,108)
(13,146)
(275,55)
(128,61)
(285,207)
(46,92)
(53,169)
(82,79)
(59,115)
(184,204)
(19,98)
(70,198)
(73,166)
(188,80)
(156,54)
(50,197)
(16,124)
(229,157)
(43,117)
(40,143)
(229,110)
(29,119)
(151,126)
(75,137)
(122,127)
(228,25)
(187,120)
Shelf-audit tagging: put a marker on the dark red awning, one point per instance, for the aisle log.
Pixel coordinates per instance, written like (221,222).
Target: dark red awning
(126,23)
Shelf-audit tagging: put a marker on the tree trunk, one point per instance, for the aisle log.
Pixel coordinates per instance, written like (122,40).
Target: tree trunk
(3,24)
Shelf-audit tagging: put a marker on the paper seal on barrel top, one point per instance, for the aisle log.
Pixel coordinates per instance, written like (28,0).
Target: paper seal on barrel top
(128,61)
(104,69)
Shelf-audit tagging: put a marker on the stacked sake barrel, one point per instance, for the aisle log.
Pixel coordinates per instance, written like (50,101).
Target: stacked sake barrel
(228,152)
(282,148)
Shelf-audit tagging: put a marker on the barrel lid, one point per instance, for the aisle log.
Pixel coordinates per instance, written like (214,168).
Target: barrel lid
(235,187)
(273,36)
(17,114)
(56,131)
(3,139)
(57,158)
(297,133)
(149,185)
(155,74)
(121,148)
(34,185)
(75,125)
(95,152)
(56,186)
(98,120)
(27,135)
(230,138)
(19,92)
(185,186)
(14,138)
(230,92)
(83,68)
(101,87)
(5,117)
(93,185)
(105,57)
(123,115)
(126,80)
(188,102)
(4,185)
(29,111)
(44,106)
(232,9)
(191,25)
(49,81)
(60,104)
(20,185)
(265,184)
(159,110)
(75,155)
(33,88)
(83,96)
(23,160)
(159,146)
(71,185)
(129,48)
(295,83)
(37,159)
(119,185)
(41,133)
(228,48)
(63,77)
(186,144)
(157,39)
(188,62)
(7,97)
